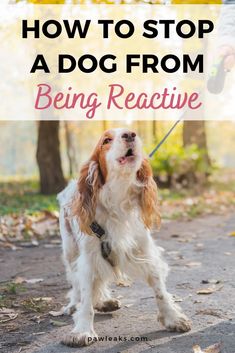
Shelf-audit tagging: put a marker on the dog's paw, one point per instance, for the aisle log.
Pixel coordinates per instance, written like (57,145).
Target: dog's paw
(109,305)
(175,321)
(79,339)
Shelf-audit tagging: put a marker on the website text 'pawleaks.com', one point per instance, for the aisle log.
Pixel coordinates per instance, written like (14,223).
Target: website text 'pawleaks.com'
(118,339)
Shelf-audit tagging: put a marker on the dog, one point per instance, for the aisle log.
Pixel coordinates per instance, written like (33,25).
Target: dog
(105,221)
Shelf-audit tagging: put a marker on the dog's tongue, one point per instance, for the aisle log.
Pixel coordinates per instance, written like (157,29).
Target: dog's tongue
(122,160)
(128,157)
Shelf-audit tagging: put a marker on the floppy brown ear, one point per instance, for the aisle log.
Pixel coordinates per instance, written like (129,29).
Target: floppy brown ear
(89,183)
(148,197)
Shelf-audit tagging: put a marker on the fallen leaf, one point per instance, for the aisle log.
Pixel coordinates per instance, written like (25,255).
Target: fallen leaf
(7,311)
(55,241)
(9,245)
(38,305)
(232,234)
(199,247)
(44,299)
(189,201)
(7,315)
(177,299)
(35,242)
(58,323)
(185,285)
(20,280)
(215,348)
(209,290)
(50,246)
(210,281)
(175,235)
(36,319)
(52,214)
(197,349)
(184,240)
(31,244)
(44,226)
(34,280)
(193,264)
(57,313)
(205,291)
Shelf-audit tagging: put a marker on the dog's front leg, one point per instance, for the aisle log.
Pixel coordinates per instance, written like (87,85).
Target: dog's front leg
(83,333)
(170,314)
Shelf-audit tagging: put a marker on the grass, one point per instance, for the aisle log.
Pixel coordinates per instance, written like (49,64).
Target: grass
(14,288)
(19,196)
(5,301)
(11,296)
(22,197)
(173,195)
(8,292)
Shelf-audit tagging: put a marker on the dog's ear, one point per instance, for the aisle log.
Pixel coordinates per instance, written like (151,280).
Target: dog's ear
(148,196)
(89,183)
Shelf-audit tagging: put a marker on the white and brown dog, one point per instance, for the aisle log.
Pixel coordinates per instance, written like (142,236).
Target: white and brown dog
(105,222)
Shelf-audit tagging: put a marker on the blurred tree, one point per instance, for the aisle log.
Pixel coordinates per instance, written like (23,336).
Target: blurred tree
(194,131)
(48,158)
(70,147)
(48,146)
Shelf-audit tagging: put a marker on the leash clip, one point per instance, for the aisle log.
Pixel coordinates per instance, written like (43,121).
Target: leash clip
(97,229)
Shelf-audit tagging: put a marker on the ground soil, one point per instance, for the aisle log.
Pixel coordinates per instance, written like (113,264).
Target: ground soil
(197,251)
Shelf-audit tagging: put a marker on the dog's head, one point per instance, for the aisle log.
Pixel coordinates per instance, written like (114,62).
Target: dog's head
(117,155)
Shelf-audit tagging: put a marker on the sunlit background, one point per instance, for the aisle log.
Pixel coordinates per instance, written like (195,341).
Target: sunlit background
(19,143)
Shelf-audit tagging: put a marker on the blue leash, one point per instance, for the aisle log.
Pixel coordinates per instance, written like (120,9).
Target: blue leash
(165,137)
(169,132)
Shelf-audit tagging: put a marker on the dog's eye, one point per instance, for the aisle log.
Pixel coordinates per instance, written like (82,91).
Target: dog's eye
(107,140)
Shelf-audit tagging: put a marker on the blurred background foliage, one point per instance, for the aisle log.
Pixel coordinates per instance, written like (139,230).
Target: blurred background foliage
(176,164)
(18,150)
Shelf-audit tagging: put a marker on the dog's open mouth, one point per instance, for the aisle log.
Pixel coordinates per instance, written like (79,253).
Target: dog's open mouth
(129,157)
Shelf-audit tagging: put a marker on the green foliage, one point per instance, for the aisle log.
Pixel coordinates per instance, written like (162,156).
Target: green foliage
(14,288)
(21,197)
(173,163)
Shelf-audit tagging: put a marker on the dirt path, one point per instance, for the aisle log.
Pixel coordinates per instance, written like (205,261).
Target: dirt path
(197,251)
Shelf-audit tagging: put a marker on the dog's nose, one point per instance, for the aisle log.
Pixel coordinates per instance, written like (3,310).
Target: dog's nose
(129,136)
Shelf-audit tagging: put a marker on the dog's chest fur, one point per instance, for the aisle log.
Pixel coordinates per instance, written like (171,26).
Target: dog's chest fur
(119,215)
